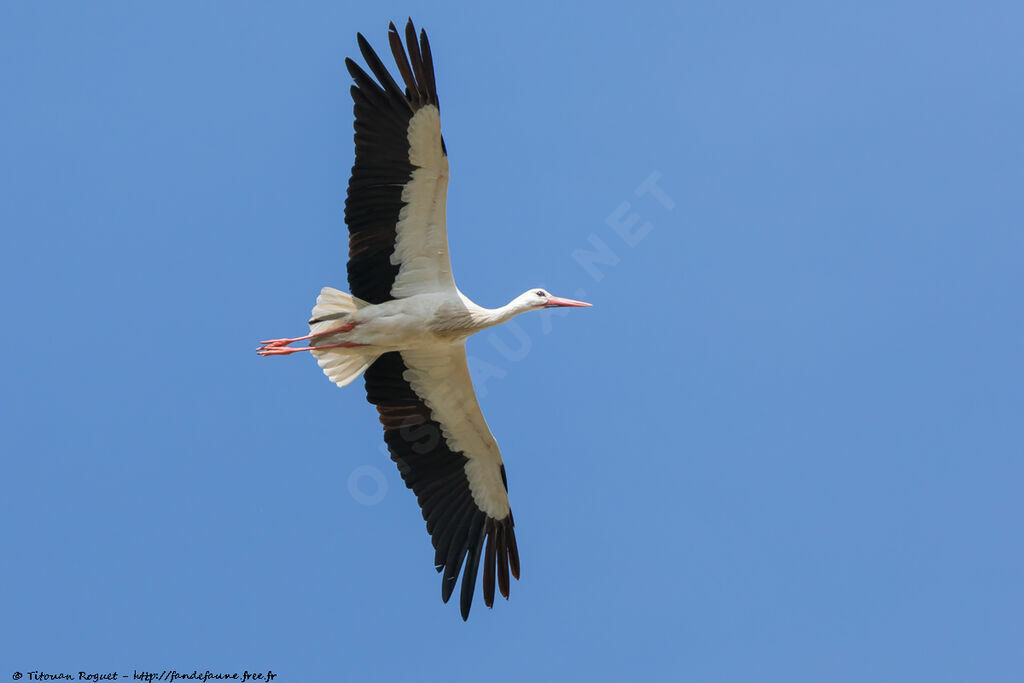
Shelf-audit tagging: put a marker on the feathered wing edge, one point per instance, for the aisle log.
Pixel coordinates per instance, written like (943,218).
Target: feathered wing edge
(460,531)
(382,165)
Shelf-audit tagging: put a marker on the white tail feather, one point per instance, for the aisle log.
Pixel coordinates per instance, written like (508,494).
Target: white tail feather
(331,302)
(341,366)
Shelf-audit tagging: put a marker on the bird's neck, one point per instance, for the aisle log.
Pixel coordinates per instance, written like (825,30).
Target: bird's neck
(489,317)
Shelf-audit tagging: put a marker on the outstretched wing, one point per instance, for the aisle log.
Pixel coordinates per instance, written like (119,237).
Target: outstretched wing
(395,210)
(446,454)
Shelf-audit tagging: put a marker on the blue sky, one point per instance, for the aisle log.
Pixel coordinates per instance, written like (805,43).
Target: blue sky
(785,444)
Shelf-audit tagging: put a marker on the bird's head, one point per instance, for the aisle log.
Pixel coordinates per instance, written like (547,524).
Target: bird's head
(541,298)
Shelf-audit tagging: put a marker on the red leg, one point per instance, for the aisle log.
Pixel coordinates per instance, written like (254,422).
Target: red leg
(285,350)
(347,327)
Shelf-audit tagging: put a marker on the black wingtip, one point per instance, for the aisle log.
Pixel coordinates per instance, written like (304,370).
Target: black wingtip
(354,70)
(489,565)
(447,587)
(513,552)
(364,45)
(476,539)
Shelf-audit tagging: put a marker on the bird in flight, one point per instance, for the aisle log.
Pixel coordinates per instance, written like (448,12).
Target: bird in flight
(405,323)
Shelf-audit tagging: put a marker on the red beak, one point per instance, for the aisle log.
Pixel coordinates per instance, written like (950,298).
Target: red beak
(559,301)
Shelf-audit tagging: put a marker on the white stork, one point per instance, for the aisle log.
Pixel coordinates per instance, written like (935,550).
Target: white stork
(406,322)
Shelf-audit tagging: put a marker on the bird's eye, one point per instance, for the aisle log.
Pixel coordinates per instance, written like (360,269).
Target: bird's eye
(540,292)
